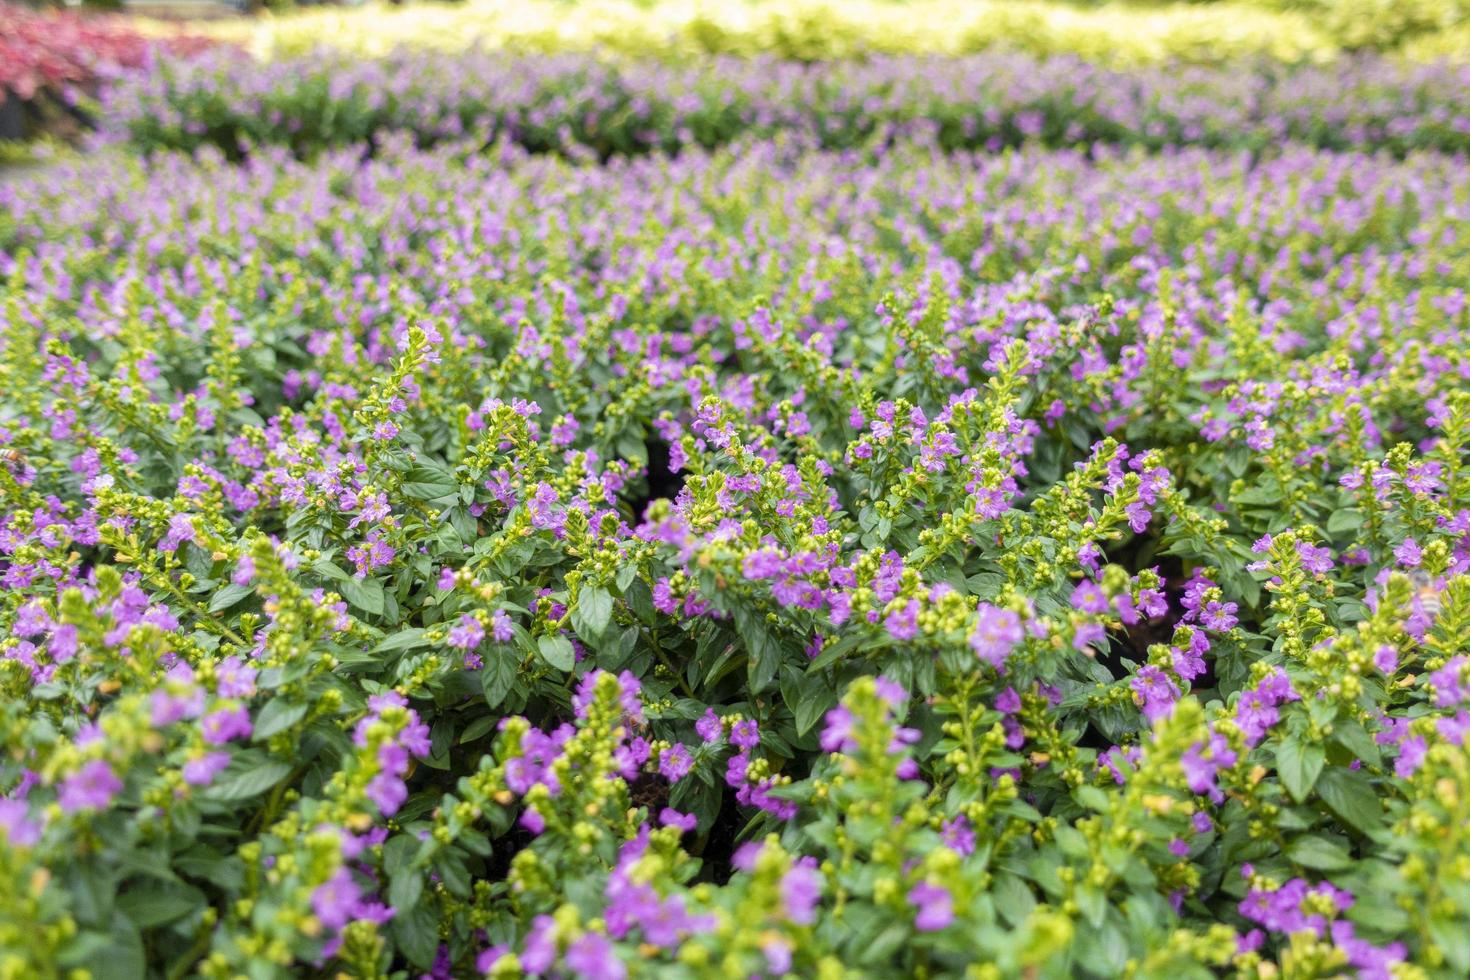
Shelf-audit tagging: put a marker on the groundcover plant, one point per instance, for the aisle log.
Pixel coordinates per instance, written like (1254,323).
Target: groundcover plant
(776,559)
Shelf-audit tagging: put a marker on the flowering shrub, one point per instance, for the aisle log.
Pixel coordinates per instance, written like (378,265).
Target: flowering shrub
(581,104)
(762,561)
(62,53)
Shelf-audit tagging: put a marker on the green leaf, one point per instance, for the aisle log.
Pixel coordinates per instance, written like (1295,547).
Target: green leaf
(1091,797)
(198,561)
(1351,797)
(402,640)
(417,933)
(591,612)
(277,716)
(1298,765)
(430,482)
(405,888)
(228,596)
(1013,898)
(557,651)
(762,647)
(499,675)
(1319,854)
(1352,736)
(816,700)
(250,783)
(1092,903)
(479,728)
(1345,519)
(398,854)
(124,957)
(364,593)
(155,903)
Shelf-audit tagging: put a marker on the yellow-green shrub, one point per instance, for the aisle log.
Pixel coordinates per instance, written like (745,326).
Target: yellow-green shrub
(803,29)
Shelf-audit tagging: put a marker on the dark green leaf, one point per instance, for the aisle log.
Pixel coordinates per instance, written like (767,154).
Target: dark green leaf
(417,931)
(499,675)
(1351,797)
(1298,764)
(155,903)
(405,639)
(277,716)
(1319,854)
(557,652)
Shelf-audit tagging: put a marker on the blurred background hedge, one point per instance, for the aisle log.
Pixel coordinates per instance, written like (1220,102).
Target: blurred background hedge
(1113,33)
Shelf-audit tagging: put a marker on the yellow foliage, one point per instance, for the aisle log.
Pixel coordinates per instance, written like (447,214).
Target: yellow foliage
(801,29)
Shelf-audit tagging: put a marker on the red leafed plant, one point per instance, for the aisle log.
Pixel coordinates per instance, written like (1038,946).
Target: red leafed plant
(58,51)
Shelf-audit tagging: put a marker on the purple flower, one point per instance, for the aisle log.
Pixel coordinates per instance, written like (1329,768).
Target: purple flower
(180,529)
(709,726)
(502,630)
(335,900)
(936,907)
(669,817)
(996,633)
(1089,597)
(63,643)
(1189,663)
(1219,616)
(745,734)
(467,633)
(200,771)
(801,889)
(387,792)
(540,949)
(1315,558)
(234,679)
(1411,756)
(16,827)
(91,787)
(1201,762)
(244,572)
(777,952)
(1088,634)
(903,623)
(487,958)
(1256,711)
(675,762)
(592,958)
(1449,683)
(1155,692)
(1409,554)
(225,725)
(837,735)
(958,835)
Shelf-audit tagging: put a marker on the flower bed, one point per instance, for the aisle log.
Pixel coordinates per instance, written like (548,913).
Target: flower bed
(776,559)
